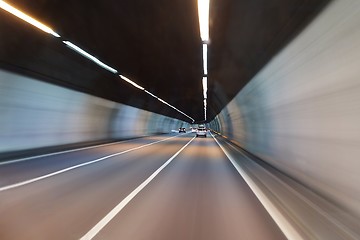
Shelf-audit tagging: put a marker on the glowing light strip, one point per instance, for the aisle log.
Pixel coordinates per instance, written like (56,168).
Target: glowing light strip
(162,101)
(205,59)
(168,104)
(205,88)
(205,107)
(203,9)
(150,94)
(7,7)
(89,56)
(131,82)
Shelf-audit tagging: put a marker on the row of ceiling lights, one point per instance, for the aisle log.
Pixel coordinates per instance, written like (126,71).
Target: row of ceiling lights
(203,8)
(7,7)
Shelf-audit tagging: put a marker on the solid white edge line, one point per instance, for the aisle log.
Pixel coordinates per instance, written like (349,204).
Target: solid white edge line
(68,151)
(103,222)
(79,165)
(288,230)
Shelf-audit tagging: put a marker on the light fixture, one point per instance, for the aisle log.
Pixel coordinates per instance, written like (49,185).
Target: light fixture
(205,107)
(203,10)
(205,59)
(89,56)
(7,7)
(205,87)
(131,82)
(150,94)
(162,101)
(168,104)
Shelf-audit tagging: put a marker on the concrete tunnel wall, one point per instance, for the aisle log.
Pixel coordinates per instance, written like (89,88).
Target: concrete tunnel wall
(301,112)
(35,114)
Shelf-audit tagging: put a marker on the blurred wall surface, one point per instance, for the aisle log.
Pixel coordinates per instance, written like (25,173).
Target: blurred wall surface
(301,112)
(35,114)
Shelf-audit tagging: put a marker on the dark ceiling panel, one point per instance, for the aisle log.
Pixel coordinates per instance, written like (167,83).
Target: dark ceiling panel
(245,35)
(155,43)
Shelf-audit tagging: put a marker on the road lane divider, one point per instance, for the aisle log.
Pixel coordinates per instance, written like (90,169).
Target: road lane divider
(289,231)
(67,151)
(103,222)
(15,185)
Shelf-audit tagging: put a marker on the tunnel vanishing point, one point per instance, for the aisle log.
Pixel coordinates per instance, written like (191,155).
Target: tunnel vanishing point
(275,82)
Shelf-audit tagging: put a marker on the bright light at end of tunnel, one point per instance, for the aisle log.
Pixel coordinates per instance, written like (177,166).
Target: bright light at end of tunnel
(89,56)
(131,82)
(7,7)
(203,9)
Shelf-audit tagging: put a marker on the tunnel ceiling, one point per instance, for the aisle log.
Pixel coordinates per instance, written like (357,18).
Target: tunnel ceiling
(155,43)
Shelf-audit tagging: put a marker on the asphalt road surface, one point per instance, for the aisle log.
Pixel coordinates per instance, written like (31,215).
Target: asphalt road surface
(164,187)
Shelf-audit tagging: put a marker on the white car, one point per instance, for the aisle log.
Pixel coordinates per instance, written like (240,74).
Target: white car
(201,131)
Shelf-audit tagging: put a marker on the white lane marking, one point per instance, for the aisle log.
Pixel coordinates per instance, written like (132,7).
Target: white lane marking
(61,152)
(79,165)
(288,230)
(103,222)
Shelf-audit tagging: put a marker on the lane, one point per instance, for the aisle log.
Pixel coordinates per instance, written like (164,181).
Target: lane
(16,172)
(66,206)
(199,195)
(100,225)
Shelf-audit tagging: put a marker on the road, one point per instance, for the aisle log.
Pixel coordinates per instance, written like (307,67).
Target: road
(166,187)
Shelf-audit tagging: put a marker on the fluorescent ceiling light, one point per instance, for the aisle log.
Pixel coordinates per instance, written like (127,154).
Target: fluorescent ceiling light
(166,103)
(205,88)
(89,56)
(131,82)
(27,18)
(150,94)
(205,113)
(205,59)
(176,109)
(205,94)
(163,101)
(203,9)
(5,6)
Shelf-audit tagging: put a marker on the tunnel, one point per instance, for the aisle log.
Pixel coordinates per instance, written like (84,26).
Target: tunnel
(125,120)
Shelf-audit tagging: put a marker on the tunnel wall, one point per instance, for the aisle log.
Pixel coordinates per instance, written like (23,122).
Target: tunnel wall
(301,112)
(35,114)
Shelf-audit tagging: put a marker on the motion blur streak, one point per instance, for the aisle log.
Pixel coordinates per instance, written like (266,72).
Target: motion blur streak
(301,112)
(198,194)
(20,184)
(27,18)
(98,227)
(280,220)
(293,130)
(41,115)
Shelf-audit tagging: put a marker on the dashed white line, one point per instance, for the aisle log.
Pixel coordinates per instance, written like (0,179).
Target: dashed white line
(78,166)
(100,225)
